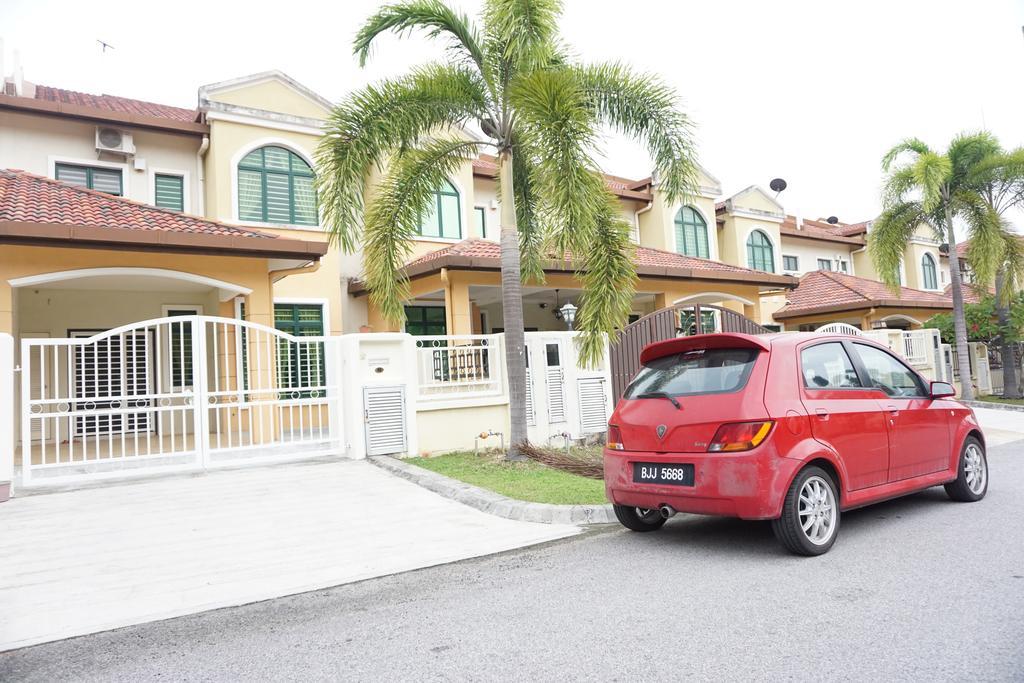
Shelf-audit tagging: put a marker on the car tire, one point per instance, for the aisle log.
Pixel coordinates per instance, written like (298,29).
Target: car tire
(971,483)
(809,524)
(639,519)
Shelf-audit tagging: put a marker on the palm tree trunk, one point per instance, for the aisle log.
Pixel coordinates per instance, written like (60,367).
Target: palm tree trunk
(959,321)
(512,309)
(1006,351)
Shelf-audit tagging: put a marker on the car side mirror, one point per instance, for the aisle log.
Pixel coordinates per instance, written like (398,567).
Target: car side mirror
(942,390)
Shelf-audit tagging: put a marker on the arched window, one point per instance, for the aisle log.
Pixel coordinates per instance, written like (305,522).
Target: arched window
(760,255)
(931,280)
(275,185)
(443,217)
(691,233)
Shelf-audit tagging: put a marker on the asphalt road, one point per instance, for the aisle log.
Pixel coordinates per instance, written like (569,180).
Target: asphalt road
(920,588)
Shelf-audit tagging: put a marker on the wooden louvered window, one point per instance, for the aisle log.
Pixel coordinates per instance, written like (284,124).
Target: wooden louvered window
(691,233)
(275,185)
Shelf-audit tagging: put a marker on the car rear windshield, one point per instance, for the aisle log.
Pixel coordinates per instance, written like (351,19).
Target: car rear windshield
(692,373)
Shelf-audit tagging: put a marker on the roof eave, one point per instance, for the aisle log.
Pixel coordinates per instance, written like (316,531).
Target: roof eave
(856,306)
(92,114)
(86,236)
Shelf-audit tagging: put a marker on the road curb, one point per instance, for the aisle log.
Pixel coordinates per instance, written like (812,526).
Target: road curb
(995,406)
(494,503)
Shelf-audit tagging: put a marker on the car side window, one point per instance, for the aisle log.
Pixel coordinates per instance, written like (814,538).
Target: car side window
(889,374)
(828,366)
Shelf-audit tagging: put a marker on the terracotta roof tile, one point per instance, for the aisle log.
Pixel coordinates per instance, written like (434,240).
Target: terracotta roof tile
(29,198)
(487,165)
(114,103)
(829,289)
(817,230)
(645,256)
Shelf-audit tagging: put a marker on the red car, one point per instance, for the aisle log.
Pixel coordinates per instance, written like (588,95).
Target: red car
(788,427)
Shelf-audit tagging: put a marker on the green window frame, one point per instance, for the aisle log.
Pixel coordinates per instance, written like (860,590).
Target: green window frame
(760,253)
(425,321)
(443,217)
(691,233)
(169,191)
(276,185)
(928,270)
(790,263)
(181,347)
(99,178)
(480,213)
(300,369)
(824,264)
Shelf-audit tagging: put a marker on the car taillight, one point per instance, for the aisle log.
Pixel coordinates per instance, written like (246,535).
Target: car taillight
(740,436)
(614,440)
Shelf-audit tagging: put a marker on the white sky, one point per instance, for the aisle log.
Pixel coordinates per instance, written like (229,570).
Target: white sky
(813,92)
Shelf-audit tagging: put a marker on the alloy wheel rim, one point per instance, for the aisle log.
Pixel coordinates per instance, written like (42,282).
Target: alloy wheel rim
(975,470)
(817,510)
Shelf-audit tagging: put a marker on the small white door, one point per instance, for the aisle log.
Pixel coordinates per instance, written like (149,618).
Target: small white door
(384,415)
(531,415)
(593,405)
(555,379)
(39,386)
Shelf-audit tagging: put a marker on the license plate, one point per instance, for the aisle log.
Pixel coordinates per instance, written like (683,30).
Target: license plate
(660,473)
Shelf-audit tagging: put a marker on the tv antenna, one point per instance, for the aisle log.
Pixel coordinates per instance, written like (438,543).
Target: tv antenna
(105,45)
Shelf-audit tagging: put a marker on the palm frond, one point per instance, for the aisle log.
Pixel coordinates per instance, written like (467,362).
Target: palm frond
(646,109)
(909,145)
(378,120)
(523,33)
(931,173)
(554,114)
(888,238)
(985,232)
(609,282)
(433,16)
(395,212)
(1013,263)
(531,235)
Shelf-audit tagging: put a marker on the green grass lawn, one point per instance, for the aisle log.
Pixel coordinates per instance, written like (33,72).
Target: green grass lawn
(1000,399)
(528,481)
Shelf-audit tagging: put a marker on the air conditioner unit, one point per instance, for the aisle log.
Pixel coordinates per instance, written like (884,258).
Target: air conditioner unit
(114,141)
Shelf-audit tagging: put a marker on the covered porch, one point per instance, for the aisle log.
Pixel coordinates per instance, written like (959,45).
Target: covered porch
(110,332)
(457,290)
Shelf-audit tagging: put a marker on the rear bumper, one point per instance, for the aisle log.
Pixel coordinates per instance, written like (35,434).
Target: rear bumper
(748,485)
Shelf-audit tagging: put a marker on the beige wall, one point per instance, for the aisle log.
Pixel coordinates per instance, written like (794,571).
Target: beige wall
(23,261)
(442,431)
(809,251)
(657,225)
(32,143)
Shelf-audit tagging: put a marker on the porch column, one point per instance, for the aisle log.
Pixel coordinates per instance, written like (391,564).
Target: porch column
(6,308)
(458,307)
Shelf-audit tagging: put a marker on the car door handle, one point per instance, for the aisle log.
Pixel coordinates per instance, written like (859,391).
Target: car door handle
(821,412)
(893,410)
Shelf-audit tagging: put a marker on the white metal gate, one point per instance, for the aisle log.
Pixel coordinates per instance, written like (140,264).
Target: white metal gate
(175,393)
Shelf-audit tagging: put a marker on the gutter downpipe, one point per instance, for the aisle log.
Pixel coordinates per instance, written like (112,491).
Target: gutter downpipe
(636,218)
(204,146)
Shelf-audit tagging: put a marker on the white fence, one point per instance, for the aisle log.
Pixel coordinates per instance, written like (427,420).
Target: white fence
(459,366)
(174,393)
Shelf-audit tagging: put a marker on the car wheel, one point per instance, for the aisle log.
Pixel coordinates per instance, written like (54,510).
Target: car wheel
(639,519)
(972,473)
(810,514)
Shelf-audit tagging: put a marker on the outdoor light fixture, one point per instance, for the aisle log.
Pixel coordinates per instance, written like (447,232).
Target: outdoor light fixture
(568,312)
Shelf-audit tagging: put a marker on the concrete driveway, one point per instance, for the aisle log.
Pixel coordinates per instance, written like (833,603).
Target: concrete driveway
(85,561)
(916,589)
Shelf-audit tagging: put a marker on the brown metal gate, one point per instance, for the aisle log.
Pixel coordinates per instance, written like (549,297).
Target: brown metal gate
(668,323)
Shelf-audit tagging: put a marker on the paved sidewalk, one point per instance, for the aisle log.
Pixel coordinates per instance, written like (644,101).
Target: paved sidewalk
(1000,426)
(86,561)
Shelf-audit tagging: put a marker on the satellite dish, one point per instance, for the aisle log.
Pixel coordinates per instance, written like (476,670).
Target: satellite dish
(944,248)
(777,185)
(831,220)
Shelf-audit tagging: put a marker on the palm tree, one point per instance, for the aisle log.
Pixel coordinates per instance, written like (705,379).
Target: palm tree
(925,186)
(542,114)
(999,181)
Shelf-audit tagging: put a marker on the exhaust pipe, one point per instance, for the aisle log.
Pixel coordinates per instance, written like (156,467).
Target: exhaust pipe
(667,511)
